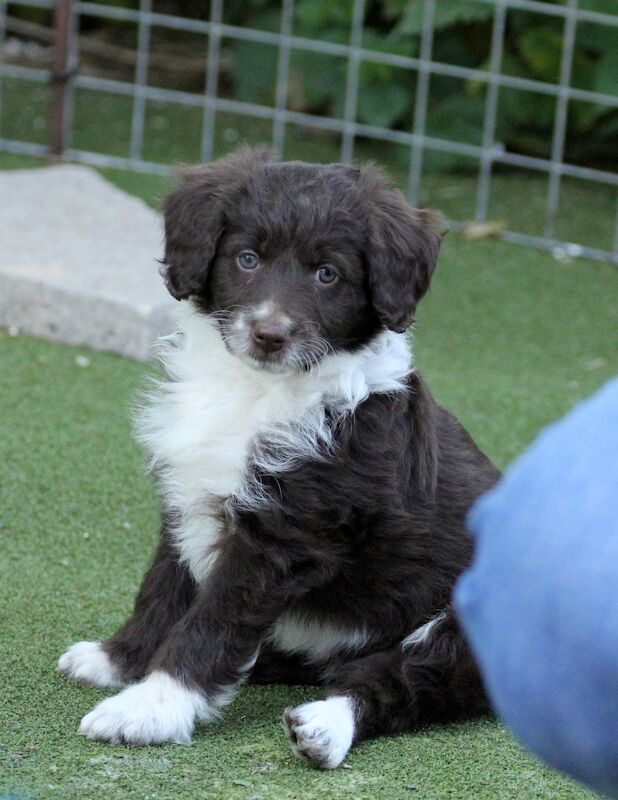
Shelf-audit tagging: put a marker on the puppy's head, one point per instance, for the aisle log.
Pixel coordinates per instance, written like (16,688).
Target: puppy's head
(296,260)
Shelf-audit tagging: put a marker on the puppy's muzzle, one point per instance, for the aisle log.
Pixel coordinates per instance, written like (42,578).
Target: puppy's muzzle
(270,336)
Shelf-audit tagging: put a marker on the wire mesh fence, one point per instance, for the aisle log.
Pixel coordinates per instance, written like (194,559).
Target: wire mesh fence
(202,108)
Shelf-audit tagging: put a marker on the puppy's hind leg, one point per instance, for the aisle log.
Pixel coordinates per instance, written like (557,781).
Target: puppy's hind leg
(164,597)
(430,677)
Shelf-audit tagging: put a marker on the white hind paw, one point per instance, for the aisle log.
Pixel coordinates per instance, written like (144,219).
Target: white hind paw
(321,732)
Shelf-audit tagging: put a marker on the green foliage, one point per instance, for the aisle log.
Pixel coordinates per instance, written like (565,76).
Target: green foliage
(533,49)
(448,13)
(606,73)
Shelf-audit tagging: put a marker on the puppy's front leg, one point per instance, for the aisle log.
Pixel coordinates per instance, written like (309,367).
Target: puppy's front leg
(211,649)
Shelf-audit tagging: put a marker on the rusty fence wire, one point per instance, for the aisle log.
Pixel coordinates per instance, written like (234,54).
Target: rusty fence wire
(65,77)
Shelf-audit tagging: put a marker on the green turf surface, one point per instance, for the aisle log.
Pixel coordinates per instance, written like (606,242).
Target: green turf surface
(508,338)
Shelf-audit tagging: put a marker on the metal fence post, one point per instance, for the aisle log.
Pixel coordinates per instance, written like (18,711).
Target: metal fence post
(61,76)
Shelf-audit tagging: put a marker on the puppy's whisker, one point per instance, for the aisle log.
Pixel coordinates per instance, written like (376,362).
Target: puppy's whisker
(313,351)
(310,326)
(327,345)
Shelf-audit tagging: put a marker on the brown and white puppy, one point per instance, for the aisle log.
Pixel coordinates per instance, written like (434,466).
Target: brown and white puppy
(313,493)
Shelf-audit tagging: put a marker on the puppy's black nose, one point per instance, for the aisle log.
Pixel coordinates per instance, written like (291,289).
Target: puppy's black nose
(269,336)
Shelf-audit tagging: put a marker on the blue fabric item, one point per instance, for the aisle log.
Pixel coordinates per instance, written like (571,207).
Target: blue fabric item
(540,602)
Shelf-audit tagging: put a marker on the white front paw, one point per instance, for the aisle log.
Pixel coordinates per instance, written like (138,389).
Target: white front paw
(88,663)
(321,732)
(159,709)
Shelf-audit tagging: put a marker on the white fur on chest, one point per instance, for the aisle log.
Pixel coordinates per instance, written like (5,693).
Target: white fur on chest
(201,425)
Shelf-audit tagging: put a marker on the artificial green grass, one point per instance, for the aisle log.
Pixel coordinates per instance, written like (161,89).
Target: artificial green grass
(508,338)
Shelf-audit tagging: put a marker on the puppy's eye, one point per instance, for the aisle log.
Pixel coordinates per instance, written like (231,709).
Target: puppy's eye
(247,259)
(326,274)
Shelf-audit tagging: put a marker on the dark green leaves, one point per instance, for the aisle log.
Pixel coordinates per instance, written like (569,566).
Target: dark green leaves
(533,49)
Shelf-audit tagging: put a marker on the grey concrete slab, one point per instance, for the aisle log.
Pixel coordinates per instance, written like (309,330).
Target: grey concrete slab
(78,261)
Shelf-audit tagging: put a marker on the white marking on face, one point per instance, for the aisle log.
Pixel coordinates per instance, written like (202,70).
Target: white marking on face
(89,664)
(269,310)
(322,732)
(239,341)
(263,311)
(240,324)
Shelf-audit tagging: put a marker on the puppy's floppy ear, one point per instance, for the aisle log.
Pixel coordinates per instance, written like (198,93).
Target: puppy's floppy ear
(195,218)
(403,245)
